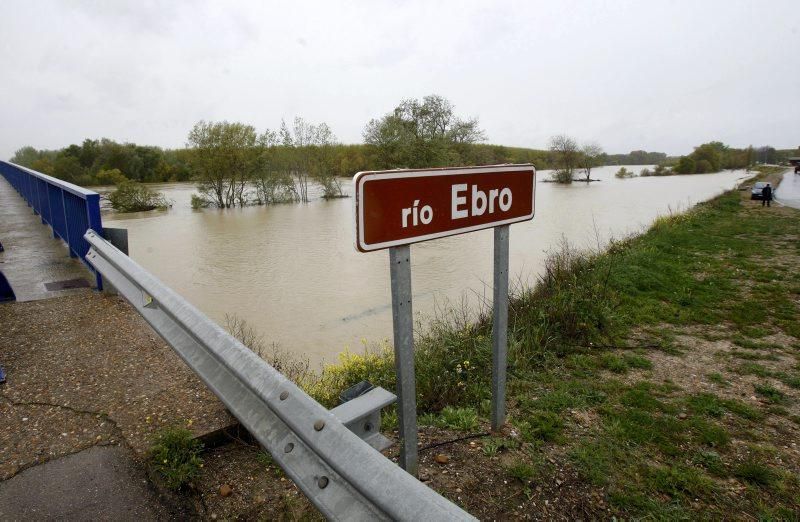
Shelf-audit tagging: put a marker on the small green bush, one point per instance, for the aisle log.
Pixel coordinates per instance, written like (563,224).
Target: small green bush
(623,173)
(562,176)
(131,196)
(176,456)
(199,202)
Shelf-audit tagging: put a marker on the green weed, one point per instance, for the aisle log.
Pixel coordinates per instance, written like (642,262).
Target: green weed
(521,471)
(755,472)
(176,456)
(769,392)
(679,480)
(541,425)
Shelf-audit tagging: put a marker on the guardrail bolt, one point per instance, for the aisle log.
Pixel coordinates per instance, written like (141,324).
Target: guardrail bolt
(367,426)
(319,425)
(288,448)
(322,482)
(284,395)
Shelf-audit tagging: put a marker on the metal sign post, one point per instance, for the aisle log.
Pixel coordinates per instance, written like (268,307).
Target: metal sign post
(500,327)
(403,325)
(396,208)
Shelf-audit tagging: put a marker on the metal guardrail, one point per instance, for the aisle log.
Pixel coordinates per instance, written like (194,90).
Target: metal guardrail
(343,475)
(67,208)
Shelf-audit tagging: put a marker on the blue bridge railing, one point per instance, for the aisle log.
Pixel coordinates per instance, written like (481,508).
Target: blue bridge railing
(70,210)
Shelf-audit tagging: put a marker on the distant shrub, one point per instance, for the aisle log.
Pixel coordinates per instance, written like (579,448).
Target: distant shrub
(131,196)
(109,177)
(703,166)
(686,165)
(199,202)
(646,172)
(624,173)
(562,176)
(661,170)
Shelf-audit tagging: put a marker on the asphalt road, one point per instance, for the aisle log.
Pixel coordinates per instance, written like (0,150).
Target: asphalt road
(788,192)
(100,483)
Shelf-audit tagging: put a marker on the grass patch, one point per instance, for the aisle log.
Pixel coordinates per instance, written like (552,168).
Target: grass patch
(769,392)
(756,473)
(175,456)
(742,409)
(594,460)
(711,462)
(706,404)
(614,363)
(521,471)
(678,481)
(752,369)
(709,434)
(493,445)
(541,426)
(459,419)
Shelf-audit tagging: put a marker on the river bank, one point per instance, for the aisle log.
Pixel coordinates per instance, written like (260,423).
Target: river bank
(676,395)
(659,378)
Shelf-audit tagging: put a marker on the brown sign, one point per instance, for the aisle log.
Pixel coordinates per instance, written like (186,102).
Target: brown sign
(398,207)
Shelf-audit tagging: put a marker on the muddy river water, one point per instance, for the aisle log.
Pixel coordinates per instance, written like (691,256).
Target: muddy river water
(292,273)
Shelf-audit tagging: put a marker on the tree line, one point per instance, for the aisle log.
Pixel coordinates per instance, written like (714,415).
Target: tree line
(235,165)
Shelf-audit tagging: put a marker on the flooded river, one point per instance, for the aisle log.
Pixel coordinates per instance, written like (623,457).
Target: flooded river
(292,273)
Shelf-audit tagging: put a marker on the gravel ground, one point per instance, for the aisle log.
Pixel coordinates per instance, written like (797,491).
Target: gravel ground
(87,370)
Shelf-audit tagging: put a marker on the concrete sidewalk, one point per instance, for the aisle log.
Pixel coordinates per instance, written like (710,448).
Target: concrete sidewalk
(89,386)
(32,257)
(101,483)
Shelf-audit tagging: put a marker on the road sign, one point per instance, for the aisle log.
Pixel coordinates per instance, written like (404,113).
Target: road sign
(400,207)
(395,208)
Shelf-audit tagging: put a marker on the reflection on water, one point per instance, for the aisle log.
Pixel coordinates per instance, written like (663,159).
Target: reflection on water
(291,271)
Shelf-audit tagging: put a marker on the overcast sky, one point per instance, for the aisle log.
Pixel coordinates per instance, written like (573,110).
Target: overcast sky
(631,75)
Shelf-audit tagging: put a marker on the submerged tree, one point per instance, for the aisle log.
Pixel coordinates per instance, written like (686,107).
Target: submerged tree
(224,160)
(273,182)
(565,151)
(591,156)
(307,153)
(131,196)
(421,134)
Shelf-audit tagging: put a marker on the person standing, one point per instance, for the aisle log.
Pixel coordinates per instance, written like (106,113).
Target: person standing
(766,195)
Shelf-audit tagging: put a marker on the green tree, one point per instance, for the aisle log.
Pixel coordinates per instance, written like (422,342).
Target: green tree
(68,168)
(307,152)
(26,156)
(591,156)
(565,151)
(223,161)
(686,165)
(109,177)
(418,134)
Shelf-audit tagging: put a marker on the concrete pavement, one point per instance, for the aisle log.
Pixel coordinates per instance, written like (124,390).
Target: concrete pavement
(100,483)
(32,257)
